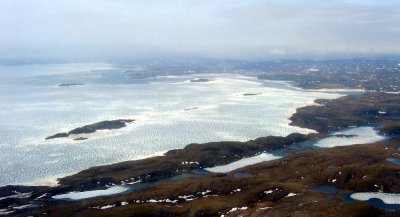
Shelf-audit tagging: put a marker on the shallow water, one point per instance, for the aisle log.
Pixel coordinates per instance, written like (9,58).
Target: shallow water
(394,160)
(327,189)
(34,107)
(240,175)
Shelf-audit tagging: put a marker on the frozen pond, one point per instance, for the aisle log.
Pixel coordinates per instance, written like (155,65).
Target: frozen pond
(388,201)
(76,195)
(385,197)
(169,112)
(351,136)
(242,163)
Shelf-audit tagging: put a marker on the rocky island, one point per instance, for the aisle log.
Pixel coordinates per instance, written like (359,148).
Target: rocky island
(251,94)
(200,80)
(92,128)
(69,84)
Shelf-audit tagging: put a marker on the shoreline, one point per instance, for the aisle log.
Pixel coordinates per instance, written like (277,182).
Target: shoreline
(54,180)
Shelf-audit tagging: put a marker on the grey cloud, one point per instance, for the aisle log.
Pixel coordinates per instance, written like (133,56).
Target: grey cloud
(108,30)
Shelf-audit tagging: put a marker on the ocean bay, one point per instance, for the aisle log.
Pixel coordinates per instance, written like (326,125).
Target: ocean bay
(169,112)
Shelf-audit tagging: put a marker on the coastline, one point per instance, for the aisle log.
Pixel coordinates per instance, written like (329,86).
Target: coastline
(337,163)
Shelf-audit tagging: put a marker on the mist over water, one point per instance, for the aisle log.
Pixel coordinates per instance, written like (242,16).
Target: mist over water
(169,111)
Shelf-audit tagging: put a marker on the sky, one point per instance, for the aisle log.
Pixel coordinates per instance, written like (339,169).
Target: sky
(102,30)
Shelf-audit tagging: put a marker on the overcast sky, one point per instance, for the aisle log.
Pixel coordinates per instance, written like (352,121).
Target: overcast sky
(85,30)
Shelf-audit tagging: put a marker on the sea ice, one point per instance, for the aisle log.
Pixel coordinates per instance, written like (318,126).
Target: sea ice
(33,107)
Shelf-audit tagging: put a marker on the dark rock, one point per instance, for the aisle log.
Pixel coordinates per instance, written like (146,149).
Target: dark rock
(200,80)
(188,109)
(251,94)
(58,135)
(91,128)
(80,138)
(70,84)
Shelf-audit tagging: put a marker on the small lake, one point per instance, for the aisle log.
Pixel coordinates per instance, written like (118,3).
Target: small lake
(351,136)
(327,189)
(242,163)
(386,201)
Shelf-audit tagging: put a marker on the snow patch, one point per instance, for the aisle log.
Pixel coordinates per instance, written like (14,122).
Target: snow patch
(271,191)
(189,162)
(292,194)
(234,209)
(108,206)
